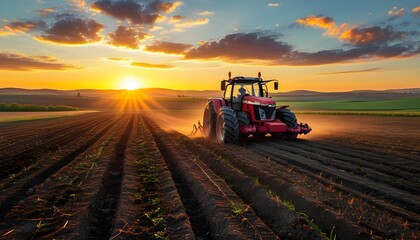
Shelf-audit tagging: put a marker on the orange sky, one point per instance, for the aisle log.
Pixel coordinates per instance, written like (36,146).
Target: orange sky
(99,44)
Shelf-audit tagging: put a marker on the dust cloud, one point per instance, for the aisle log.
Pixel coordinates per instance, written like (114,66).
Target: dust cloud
(179,120)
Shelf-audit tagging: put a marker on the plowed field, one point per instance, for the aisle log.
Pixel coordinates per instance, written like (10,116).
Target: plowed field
(121,176)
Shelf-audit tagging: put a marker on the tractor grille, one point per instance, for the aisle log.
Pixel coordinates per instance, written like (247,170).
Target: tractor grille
(264,112)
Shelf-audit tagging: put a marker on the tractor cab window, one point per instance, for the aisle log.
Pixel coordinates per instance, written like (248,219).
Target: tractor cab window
(228,91)
(242,89)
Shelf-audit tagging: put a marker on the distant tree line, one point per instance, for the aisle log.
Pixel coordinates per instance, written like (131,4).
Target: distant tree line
(14,107)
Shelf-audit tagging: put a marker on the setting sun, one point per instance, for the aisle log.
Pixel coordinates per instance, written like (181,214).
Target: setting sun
(131,84)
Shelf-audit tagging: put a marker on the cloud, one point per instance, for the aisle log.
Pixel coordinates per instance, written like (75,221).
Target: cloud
(370,35)
(77,3)
(134,11)
(356,71)
(20,62)
(257,48)
(323,23)
(354,35)
(166,7)
(149,65)
(239,47)
(126,37)
(168,47)
(317,21)
(396,13)
(176,18)
(46,12)
(22,27)
(273,4)
(205,13)
(192,23)
(416,11)
(72,30)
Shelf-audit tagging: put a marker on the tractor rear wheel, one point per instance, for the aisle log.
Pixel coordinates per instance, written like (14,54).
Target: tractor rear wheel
(227,126)
(289,118)
(209,121)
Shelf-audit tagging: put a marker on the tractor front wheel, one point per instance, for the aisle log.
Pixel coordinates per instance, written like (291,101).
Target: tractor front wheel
(289,118)
(227,125)
(209,121)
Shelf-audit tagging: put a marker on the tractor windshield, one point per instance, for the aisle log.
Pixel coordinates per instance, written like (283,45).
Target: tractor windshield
(242,88)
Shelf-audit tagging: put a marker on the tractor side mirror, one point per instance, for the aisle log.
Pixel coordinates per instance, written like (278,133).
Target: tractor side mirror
(276,86)
(223,85)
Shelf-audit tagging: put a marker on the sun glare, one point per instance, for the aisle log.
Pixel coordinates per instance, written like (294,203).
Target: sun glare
(131,84)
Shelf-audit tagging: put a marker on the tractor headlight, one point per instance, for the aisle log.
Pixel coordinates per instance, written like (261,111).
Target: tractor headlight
(262,114)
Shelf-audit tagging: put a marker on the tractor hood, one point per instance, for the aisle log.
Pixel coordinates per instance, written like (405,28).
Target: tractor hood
(263,101)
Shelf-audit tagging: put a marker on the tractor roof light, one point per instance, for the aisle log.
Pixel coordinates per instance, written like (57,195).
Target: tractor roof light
(230,75)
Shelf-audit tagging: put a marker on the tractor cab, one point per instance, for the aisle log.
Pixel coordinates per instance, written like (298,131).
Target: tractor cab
(240,90)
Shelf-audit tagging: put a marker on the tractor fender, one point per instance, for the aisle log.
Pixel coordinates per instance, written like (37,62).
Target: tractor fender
(281,107)
(218,103)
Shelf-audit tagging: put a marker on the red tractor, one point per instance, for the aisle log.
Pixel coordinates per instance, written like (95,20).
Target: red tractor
(247,110)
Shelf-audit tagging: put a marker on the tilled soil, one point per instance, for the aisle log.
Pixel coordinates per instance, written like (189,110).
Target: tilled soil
(120,176)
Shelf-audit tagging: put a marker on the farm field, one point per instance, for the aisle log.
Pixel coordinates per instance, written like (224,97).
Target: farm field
(25,116)
(108,175)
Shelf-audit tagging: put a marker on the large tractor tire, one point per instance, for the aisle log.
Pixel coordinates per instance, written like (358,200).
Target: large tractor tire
(289,118)
(243,118)
(227,126)
(209,121)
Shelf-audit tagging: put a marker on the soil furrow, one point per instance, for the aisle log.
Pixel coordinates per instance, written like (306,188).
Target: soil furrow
(380,190)
(106,203)
(212,193)
(344,153)
(9,200)
(52,202)
(362,154)
(280,182)
(357,166)
(30,135)
(382,204)
(273,212)
(28,156)
(327,201)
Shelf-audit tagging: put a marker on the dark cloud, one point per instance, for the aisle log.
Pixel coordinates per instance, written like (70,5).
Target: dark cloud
(371,35)
(240,46)
(16,27)
(134,11)
(149,65)
(126,37)
(73,30)
(168,47)
(176,18)
(254,48)
(20,62)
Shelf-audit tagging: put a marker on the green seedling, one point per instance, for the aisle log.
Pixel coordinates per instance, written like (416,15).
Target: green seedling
(290,205)
(41,224)
(333,236)
(155,201)
(160,236)
(237,209)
